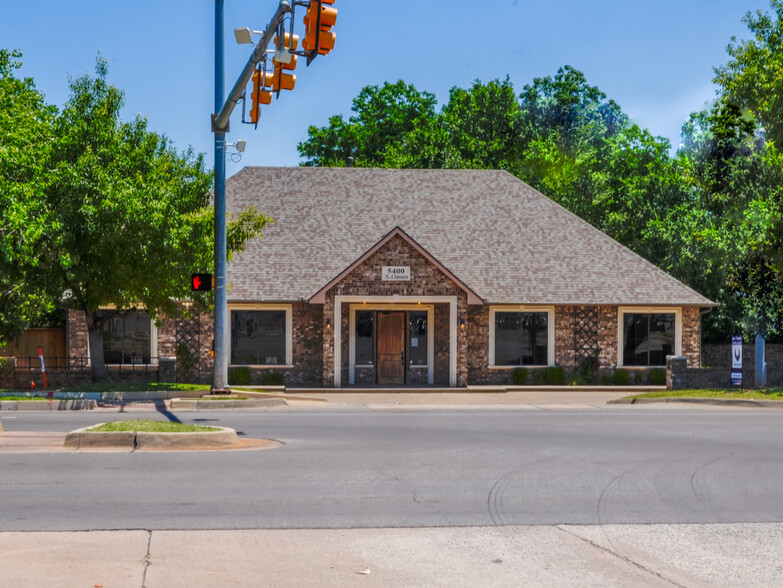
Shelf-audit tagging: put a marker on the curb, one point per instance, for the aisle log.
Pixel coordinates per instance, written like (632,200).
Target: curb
(179,403)
(712,401)
(53,404)
(139,440)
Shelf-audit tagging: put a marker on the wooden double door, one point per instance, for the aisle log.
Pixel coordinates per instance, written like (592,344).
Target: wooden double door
(391,348)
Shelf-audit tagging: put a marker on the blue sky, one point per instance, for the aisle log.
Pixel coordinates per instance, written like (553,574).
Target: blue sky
(654,58)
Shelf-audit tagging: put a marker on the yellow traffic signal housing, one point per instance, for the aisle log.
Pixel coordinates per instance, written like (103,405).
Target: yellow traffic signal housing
(322,36)
(282,80)
(287,41)
(259,96)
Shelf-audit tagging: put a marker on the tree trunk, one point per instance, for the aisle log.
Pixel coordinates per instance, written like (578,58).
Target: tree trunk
(95,336)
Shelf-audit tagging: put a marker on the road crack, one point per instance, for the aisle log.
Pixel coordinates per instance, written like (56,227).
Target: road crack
(624,558)
(145,561)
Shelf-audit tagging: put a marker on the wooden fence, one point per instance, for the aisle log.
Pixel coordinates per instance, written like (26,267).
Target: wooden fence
(51,341)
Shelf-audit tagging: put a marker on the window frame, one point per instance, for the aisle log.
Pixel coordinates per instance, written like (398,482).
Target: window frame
(623,310)
(250,307)
(550,321)
(153,340)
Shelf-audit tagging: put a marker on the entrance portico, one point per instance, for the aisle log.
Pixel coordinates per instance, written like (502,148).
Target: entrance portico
(395,317)
(393,342)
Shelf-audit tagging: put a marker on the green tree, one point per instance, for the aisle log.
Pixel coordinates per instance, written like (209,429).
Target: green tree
(129,216)
(719,239)
(753,77)
(394,125)
(25,146)
(579,148)
(483,125)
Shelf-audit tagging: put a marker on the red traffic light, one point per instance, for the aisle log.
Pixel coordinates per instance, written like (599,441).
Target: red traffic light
(201,282)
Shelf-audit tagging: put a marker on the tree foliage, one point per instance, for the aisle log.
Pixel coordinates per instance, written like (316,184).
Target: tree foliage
(710,215)
(26,143)
(124,218)
(753,77)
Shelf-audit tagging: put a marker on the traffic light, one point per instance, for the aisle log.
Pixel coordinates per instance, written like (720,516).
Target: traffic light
(287,42)
(259,95)
(201,282)
(281,80)
(319,20)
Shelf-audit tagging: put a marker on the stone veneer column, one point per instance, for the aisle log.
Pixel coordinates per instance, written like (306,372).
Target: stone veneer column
(77,341)
(328,348)
(462,340)
(691,335)
(564,336)
(607,336)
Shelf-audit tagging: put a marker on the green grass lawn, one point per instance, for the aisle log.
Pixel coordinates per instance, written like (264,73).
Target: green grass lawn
(22,398)
(133,387)
(148,426)
(725,393)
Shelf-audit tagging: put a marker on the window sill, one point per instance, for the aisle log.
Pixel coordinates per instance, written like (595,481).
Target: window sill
(513,367)
(280,366)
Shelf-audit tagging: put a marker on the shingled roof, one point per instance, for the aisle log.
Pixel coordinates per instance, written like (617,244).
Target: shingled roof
(501,238)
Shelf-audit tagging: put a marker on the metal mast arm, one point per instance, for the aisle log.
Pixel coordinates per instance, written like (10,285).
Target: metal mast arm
(220,120)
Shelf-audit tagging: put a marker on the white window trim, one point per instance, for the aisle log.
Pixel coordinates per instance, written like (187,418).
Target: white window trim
(550,321)
(153,342)
(289,338)
(675,310)
(429,308)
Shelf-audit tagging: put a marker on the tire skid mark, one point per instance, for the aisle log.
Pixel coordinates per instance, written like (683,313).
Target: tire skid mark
(496,496)
(706,503)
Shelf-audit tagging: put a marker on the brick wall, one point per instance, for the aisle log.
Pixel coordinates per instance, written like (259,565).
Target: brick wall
(307,342)
(441,342)
(76,338)
(719,357)
(607,336)
(478,350)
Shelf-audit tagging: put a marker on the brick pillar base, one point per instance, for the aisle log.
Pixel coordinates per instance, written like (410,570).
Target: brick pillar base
(167,369)
(676,372)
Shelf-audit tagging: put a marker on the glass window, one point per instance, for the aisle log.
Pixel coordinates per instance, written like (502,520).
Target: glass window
(647,338)
(521,338)
(364,337)
(126,336)
(418,338)
(258,337)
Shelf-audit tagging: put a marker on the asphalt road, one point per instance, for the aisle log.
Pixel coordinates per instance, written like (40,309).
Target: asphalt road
(375,469)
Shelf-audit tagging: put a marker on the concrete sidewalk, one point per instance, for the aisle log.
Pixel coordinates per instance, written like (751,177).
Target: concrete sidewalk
(533,400)
(611,555)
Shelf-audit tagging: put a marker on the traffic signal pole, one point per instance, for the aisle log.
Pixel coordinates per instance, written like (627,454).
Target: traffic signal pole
(220,128)
(220,368)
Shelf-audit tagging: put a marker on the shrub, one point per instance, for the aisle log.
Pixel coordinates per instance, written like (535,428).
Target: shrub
(588,367)
(657,377)
(519,376)
(638,378)
(273,378)
(605,379)
(551,376)
(239,376)
(621,377)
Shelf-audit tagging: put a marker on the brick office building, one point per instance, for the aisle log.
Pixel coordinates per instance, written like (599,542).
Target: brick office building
(433,277)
